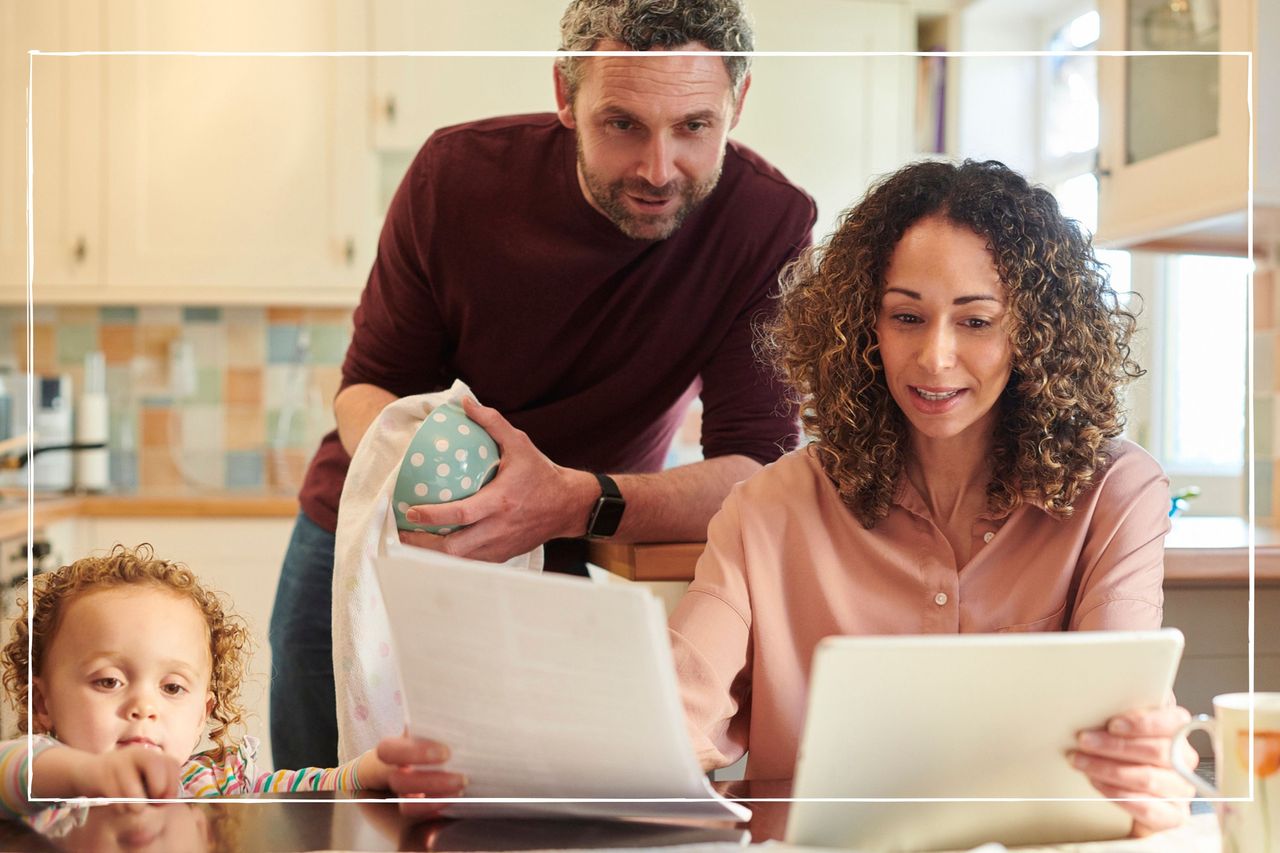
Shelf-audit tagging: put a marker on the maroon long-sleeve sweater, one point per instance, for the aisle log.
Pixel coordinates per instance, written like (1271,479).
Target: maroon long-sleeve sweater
(493,268)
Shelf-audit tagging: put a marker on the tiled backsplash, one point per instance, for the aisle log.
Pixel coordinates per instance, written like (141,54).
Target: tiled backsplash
(233,398)
(1266,384)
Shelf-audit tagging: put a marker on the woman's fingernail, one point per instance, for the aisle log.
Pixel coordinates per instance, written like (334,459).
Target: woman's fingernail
(1120,726)
(1091,740)
(1079,761)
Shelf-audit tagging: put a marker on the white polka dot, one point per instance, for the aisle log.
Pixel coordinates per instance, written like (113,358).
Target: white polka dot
(417,459)
(445,495)
(464,429)
(438,417)
(442,469)
(403,507)
(442,445)
(483,452)
(420,490)
(460,455)
(466,482)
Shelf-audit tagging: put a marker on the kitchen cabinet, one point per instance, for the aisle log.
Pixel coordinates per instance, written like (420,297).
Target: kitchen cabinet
(197,179)
(1173,160)
(414,95)
(66,113)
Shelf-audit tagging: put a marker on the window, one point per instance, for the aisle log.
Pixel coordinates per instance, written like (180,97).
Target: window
(1189,409)
(1203,391)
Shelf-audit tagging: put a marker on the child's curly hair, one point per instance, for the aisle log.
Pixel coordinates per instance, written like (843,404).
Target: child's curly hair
(228,637)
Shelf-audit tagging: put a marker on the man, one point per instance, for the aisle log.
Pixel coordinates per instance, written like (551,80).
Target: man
(587,273)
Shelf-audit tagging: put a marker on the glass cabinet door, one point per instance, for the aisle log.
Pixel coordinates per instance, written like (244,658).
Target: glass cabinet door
(1170,101)
(1173,153)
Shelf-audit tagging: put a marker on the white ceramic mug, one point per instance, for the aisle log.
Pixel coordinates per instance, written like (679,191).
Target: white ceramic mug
(1252,825)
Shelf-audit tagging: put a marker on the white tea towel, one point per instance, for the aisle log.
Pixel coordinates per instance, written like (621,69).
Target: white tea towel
(365,670)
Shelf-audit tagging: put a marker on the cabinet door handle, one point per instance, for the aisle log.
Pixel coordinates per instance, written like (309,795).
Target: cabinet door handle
(390,109)
(349,251)
(80,250)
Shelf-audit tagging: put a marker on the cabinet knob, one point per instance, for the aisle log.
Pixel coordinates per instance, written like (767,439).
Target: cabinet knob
(349,251)
(390,109)
(80,250)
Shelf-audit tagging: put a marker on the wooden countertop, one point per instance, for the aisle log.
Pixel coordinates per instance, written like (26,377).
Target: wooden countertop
(53,508)
(1199,550)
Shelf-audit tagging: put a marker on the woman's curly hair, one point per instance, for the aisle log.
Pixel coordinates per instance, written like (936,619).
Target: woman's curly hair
(1069,338)
(53,591)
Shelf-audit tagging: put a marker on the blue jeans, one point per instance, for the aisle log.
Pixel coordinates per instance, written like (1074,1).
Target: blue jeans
(304,719)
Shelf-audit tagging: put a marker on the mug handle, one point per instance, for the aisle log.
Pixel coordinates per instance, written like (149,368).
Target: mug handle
(1202,723)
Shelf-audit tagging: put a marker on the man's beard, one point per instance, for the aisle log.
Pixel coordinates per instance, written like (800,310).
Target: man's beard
(640,226)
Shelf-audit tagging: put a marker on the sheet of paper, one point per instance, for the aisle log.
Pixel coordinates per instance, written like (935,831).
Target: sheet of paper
(544,686)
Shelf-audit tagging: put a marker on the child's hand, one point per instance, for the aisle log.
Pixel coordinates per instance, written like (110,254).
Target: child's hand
(134,771)
(402,765)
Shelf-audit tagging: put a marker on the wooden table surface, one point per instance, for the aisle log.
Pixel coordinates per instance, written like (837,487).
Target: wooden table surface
(305,821)
(1200,549)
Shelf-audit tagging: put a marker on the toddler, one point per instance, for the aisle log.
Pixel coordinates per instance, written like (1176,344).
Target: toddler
(133,662)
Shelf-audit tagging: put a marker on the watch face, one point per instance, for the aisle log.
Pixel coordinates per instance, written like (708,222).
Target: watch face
(607,516)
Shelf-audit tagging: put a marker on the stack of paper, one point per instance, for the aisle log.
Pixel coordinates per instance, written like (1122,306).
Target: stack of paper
(551,691)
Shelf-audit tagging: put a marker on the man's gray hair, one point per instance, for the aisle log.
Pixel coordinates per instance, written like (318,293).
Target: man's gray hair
(649,24)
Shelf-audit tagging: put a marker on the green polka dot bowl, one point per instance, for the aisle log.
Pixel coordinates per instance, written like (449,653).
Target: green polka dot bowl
(449,458)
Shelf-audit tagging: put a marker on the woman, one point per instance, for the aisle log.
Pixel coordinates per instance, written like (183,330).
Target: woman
(958,357)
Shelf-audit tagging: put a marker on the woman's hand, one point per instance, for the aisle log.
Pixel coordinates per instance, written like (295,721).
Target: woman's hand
(1130,759)
(404,765)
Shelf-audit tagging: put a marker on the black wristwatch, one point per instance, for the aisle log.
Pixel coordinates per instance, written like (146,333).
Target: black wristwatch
(606,515)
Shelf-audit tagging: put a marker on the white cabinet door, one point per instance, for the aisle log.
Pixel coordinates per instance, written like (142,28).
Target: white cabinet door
(1152,188)
(413,96)
(66,113)
(831,123)
(236,179)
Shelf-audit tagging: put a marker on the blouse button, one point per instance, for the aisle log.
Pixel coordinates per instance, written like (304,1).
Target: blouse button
(988,536)
(940,599)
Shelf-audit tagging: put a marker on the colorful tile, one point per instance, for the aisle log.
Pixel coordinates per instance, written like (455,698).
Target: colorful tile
(208,385)
(117,315)
(45,343)
(242,386)
(245,470)
(338,316)
(1264,439)
(156,340)
(1264,308)
(286,468)
(208,343)
(286,428)
(201,314)
(244,428)
(156,427)
(246,345)
(328,343)
(119,343)
(159,315)
(123,468)
(157,469)
(201,428)
(77,315)
(1264,360)
(282,344)
(286,316)
(75,341)
(1265,499)
(325,382)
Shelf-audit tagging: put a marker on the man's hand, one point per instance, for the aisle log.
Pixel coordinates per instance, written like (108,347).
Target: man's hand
(530,500)
(134,771)
(1130,759)
(409,773)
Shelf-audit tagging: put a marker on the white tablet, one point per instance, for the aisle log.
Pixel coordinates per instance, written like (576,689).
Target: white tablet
(987,718)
